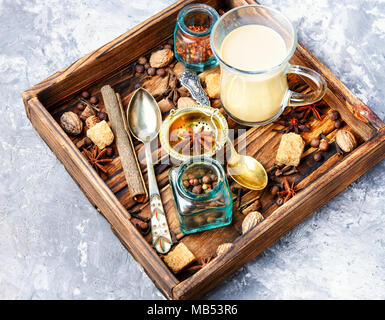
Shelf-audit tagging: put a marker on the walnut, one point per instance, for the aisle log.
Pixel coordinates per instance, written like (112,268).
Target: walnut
(87,112)
(223,248)
(91,121)
(161,58)
(71,123)
(346,140)
(186,102)
(251,220)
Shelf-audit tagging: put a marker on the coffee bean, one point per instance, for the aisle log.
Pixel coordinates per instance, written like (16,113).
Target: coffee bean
(94,100)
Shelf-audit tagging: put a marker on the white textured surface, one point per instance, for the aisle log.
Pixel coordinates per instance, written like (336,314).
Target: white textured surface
(53,243)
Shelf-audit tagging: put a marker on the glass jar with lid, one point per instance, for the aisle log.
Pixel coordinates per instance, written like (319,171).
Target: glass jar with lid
(202,195)
(192,37)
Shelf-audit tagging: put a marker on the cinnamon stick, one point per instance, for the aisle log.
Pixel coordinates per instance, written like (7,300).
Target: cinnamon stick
(128,158)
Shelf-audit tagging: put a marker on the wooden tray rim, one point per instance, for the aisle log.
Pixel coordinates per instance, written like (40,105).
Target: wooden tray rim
(220,267)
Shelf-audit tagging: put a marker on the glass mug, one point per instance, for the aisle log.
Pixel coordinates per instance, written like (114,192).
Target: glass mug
(256,98)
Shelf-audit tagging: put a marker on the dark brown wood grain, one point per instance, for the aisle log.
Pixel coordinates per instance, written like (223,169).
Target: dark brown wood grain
(318,181)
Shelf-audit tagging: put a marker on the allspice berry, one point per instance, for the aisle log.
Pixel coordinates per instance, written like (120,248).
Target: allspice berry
(87,142)
(151,71)
(85,94)
(318,156)
(103,116)
(109,152)
(197,189)
(80,106)
(139,68)
(206,179)
(274,190)
(324,145)
(338,124)
(161,72)
(94,100)
(333,115)
(315,142)
(142,60)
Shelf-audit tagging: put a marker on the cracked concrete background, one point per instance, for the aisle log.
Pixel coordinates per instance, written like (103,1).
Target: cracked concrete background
(54,244)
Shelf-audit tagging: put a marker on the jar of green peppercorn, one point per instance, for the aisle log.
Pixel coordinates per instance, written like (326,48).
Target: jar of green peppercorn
(201,194)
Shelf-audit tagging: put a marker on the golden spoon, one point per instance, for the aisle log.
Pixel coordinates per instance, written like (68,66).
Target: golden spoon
(245,170)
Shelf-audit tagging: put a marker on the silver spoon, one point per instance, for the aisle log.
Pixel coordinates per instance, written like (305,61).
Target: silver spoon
(144,120)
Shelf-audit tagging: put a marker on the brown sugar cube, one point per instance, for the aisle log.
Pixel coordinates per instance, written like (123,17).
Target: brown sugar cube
(203,75)
(101,134)
(290,149)
(213,83)
(179,258)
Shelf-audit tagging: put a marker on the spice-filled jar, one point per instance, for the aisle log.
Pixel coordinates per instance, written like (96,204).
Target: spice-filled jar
(201,194)
(192,37)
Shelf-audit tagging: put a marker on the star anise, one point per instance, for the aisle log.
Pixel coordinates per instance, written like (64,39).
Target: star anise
(203,262)
(200,140)
(95,158)
(314,108)
(288,192)
(173,93)
(293,122)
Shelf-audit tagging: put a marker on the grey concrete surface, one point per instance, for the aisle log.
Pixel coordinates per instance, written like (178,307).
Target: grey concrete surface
(53,243)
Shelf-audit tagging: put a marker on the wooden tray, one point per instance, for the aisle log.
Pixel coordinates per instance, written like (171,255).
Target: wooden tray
(319,182)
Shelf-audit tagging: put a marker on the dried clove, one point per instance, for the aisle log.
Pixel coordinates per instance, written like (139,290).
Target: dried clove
(290,172)
(322,136)
(144,231)
(339,150)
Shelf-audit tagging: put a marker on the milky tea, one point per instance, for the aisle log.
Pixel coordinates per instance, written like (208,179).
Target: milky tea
(253,97)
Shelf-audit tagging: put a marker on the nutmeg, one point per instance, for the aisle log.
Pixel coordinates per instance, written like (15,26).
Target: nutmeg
(161,58)
(71,123)
(251,220)
(222,248)
(346,140)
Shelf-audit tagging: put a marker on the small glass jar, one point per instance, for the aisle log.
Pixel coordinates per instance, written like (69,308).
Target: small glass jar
(192,37)
(199,212)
